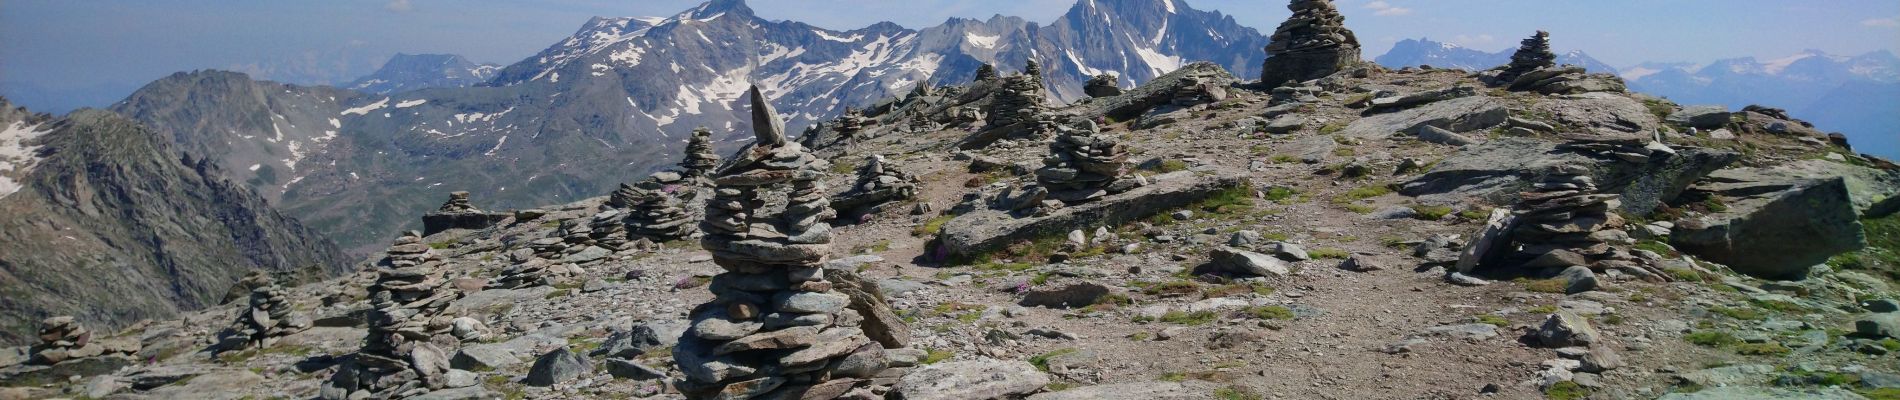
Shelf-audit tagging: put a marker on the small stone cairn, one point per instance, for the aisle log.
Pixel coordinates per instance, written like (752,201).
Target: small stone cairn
(1311,44)
(1532,54)
(458,213)
(700,159)
(1104,85)
(878,182)
(269,317)
(655,213)
(775,328)
(407,351)
(1084,165)
(62,339)
(1020,100)
(408,251)
(1534,68)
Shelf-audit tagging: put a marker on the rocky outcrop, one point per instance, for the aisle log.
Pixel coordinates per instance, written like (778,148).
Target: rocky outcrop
(1162,91)
(410,339)
(458,213)
(1498,170)
(776,327)
(1311,44)
(986,230)
(1104,85)
(1769,226)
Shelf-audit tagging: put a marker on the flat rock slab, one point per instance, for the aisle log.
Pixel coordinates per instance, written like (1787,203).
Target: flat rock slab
(1498,170)
(981,379)
(1457,115)
(987,230)
(1188,390)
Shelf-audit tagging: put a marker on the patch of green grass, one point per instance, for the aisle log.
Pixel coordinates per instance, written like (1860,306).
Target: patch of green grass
(1280,194)
(1235,393)
(1167,289)
(1762,349)
(1042,361)
(1553,285)
(1329,253)
(1345,152)
(1543,309)
(1890,344)
(933,356)
(1174,376)
(1741,313)
(1362,193)
(1285,159)
(1140,336)
(1566,390)
(1684,274)
(1476,214)
(1881,393)
(1655,246)
(1178,317)
(1271,312)
(1493,320)
(1431,213)
(1711,338)
(1332,128)
(557,294)
(931,227)
(1782,306)
(441,245)
(1171,165)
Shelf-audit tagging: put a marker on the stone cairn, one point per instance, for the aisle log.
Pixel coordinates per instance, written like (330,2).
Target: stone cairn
(852,123)
(1104,85)
(775,328)
(1083,164)
(1311,44)
(985,72)
(1020,100)
(1562,223)
(1533,54)
(458,213)
(700,159)
(62,338)
(408,251)
(878,182)
(655,213)
(269,317)
(407,351)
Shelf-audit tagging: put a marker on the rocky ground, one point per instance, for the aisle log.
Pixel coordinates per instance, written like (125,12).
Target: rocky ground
(1346,307)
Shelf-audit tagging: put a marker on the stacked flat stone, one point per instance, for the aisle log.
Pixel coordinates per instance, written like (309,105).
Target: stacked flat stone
(458,213)
(1020,100)
(61,339)
(404,354)
(1084,165)
(408,251)
(608,230)
(1311,44)
(700,159)
(775,328)
(529,272)
(269,317)
(852,123)
(1564,222)
(878,182)
(985,72)
(1533,54)
(1196,91)
(656,213)
(1104,85)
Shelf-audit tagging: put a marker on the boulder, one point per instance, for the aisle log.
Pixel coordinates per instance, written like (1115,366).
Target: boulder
(1500,169)
(1700,117)
(977,379)
(986,230)
(1565,329)
(1232,260)
(1771,227)
(560,365)
(1457,115)
(1433,134)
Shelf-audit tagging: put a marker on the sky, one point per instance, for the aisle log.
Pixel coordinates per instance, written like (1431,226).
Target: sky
(62,54)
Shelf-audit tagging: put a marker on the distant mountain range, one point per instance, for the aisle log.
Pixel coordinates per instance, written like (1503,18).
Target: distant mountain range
(616,99)
(104,220)
(1416,52)
(406,72)
(1853,95)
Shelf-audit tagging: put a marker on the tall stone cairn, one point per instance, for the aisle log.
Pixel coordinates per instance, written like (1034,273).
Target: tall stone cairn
(655,212)
(1311,44)
(61,339)
(1532,55)
(985,72)
(408,251)
(269,317)
(1020,100)
(775,328)
(1083,164)
(403,355)
(1563,222)
(700,159)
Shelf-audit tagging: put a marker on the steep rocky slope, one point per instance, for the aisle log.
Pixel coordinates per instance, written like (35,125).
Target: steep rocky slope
(108,223)
(1327,263)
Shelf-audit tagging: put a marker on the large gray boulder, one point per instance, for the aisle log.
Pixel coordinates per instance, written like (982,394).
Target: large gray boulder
(1600,114)
(1770,226)
(1497,170)
(980,379)
(1700,117)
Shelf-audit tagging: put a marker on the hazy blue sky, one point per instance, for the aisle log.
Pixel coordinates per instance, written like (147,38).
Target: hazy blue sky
(103,49)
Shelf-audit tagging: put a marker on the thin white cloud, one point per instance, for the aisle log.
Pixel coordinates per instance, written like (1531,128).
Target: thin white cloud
(399,5)
(1384,9)
(1479,40)
(1893,22)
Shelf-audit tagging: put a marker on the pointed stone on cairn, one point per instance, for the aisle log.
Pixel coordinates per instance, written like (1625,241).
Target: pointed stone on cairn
(269,317)
(403,355)
(1311,44)
(776,327)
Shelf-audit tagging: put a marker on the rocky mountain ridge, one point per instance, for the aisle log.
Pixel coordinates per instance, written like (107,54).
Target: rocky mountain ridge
(407,72)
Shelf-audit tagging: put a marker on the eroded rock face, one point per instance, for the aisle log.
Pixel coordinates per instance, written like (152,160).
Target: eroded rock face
(1311,44)
(1773,227)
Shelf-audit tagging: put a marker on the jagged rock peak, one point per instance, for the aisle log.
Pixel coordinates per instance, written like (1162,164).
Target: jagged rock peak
(715,8)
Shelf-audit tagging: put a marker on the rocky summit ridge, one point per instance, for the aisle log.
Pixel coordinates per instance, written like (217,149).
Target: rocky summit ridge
(1532,230)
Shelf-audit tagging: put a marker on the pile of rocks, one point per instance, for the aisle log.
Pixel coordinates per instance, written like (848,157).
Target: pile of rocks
(408,251)
(852,123)
(62,338)
(1196,91)
(1311,44)
(1562,227)
(1019,100)
(1084,165)
(775,328)
(877,183)
(608,231)
(458,213)
(1104,85)
(529,271)
(700,160)
(655,213)
(1533,69)
(985,72)
(269,317)
(407,351)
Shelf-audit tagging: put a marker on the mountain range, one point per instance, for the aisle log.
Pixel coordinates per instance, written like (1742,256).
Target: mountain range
(1856,95)
(406,72)
(617,99)
(1424,51)
(105,220)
